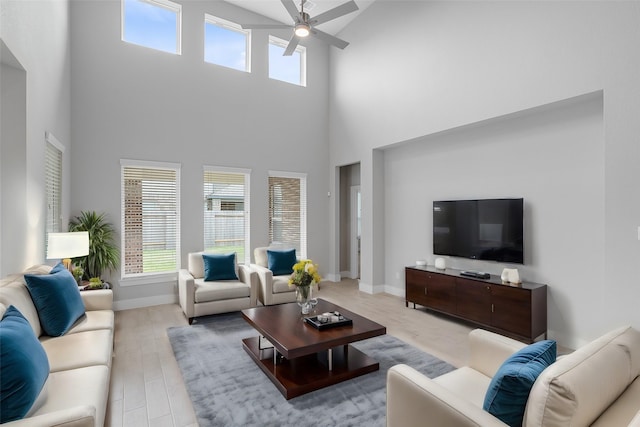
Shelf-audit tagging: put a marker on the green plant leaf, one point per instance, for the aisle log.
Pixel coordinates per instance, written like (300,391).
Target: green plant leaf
(103,252)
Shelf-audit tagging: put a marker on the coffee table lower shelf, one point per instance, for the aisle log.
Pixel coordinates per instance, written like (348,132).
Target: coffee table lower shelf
(305,374)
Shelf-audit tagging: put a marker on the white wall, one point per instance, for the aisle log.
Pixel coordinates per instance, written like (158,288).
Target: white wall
(13,160)
(136,103)
(35,35)
(415,69)
(559,148)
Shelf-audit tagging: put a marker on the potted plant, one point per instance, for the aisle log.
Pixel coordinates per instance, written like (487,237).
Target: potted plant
(103,252)
(78,272)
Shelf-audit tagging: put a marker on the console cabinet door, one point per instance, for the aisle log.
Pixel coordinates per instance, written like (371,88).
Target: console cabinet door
(441,292)
(416,286)
(473,300)
(511,309)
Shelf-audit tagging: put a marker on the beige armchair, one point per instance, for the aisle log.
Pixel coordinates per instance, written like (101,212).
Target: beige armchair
(200,298)
(272,289)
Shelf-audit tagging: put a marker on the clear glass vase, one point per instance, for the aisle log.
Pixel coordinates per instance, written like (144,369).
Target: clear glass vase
(304,298)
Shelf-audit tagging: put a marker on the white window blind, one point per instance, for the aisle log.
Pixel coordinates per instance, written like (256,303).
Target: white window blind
(150,218)
(226,212)
(288,211)
(53,184)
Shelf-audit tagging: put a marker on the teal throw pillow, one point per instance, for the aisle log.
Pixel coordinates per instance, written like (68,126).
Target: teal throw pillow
(219,266)
(24,368)
(281,262)
(509,389)
(58,267)
(57,300)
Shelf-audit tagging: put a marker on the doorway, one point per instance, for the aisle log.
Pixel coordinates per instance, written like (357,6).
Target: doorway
(355,207)
(350,220)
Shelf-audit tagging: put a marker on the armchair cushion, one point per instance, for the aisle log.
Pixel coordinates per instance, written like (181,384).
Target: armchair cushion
(509,389)
(219,266)
(281,284)
(196,264)
(281,262)
(57,300)
(25,366)
(222,290)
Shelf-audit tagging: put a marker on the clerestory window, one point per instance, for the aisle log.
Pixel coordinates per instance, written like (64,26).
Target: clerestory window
(226,44)
(155,24)
(291,69)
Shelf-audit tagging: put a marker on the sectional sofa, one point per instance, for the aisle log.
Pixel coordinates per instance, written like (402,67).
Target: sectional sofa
(596,385)
(76,387)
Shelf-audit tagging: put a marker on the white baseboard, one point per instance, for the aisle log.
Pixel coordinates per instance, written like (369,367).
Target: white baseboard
(144,302)
(394,290)
(349,274)
(566,340)
(365,287)
(333,277)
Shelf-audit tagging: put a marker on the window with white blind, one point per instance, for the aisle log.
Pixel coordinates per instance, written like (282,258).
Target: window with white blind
(288,211)
(53,184)
(150,218)
(226,211)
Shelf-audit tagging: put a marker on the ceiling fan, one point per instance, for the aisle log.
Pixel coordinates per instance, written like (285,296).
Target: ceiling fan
(304,25)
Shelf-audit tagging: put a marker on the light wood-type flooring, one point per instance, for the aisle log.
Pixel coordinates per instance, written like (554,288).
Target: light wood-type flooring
(146,384)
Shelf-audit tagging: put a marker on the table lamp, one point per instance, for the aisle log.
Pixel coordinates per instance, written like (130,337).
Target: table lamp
(67,245)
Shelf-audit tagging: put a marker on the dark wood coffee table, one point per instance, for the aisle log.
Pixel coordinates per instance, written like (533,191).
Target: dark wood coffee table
(303,358)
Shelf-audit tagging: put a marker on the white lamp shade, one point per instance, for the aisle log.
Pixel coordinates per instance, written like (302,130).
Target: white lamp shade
(67,245)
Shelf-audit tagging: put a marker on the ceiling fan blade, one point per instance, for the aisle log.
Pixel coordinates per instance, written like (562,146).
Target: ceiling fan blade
(334,13)
(264,26)
(292,9)
(329,38)
(291,47)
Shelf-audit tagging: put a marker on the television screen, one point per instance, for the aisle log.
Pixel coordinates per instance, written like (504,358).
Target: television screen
(489,229)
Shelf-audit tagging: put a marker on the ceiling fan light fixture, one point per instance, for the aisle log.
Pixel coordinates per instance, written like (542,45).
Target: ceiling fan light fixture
(302,30)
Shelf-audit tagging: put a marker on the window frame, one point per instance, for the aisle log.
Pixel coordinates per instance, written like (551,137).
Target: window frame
(53,222)
(230,26)
(302,50)
(246,207)
(302,177)
(151,277)
(164,4)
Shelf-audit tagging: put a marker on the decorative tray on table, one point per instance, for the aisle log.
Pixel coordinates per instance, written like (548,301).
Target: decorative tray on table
(328,320)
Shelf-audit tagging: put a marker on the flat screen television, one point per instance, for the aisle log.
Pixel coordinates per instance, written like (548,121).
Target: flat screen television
(487,229)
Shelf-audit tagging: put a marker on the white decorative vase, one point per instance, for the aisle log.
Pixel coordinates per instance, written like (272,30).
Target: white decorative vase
(441,264)
(514,276)
(510,275)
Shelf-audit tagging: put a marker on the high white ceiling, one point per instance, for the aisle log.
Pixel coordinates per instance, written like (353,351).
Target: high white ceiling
(275,10)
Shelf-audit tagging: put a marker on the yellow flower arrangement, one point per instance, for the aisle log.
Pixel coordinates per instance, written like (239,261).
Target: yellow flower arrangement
(305,273)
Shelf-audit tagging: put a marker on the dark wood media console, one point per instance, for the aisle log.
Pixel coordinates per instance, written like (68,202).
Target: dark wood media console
(518,311)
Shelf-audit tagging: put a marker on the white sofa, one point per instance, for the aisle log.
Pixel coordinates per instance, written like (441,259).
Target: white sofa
(596,385)
(198,297)
(77,388)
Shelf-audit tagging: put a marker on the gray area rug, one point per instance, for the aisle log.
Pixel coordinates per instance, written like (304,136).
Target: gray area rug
(228,389)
